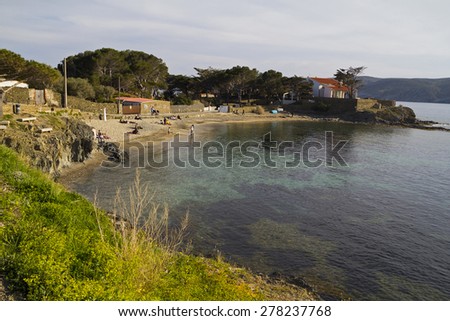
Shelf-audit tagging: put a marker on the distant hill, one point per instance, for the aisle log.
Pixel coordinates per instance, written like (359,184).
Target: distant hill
(403,89)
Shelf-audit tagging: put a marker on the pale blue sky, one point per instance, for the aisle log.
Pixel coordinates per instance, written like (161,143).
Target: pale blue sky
(391,38)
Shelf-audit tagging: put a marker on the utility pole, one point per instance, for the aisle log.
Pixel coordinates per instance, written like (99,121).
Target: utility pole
(1,102)
(65,84)
(119,109)
(2,92)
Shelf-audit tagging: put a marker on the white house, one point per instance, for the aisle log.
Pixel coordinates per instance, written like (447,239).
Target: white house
(328,88)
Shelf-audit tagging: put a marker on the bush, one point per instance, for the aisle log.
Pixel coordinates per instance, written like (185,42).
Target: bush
(259,110)
(80,87)
(104,93)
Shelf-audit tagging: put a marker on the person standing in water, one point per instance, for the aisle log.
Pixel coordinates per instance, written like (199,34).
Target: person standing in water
(191,134)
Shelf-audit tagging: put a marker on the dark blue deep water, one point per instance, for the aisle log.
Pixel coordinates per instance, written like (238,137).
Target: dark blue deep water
(374,228)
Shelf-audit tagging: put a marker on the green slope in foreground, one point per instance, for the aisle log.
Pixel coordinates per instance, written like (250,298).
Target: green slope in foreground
(55,245)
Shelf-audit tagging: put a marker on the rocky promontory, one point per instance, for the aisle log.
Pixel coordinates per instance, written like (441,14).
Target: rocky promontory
(47,141)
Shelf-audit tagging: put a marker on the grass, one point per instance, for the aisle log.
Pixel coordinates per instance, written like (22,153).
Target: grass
(55,245)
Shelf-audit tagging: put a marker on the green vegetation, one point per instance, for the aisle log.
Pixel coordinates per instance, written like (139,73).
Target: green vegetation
(350,78)
(55,245)
(99,75)
(239,84)
(37,75)
(138,73)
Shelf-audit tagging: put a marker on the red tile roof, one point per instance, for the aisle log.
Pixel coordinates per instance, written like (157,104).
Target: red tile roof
(332,83)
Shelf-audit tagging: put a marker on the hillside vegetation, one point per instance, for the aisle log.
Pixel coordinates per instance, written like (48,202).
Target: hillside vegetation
(55,245)
(402,89)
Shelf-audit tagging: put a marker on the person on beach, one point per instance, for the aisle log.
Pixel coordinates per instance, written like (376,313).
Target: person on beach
(191,131)
(101,137)
(135,130)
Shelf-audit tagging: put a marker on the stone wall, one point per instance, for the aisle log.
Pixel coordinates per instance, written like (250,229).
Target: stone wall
(52,98)
(247,109)
(196,107)
(17,95)
(162,105)
(336,106)
(364,104)
(89,106)
(33,97)
(332,106)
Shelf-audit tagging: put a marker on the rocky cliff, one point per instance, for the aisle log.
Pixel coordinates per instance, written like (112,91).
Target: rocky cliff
(69,140)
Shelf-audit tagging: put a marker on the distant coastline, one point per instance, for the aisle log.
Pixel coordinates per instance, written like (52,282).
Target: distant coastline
(404,89)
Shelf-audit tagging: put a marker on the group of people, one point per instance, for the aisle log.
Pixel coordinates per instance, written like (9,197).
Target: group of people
(137,127)
(154,112)
(166,120)
(101,136)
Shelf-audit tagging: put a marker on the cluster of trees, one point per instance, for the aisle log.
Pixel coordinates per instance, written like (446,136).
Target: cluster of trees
(106,73)
(95,75)
(236,84)
(15,67)
(37,75)
(99,74)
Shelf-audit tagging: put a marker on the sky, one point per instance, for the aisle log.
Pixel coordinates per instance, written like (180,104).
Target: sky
(392,38)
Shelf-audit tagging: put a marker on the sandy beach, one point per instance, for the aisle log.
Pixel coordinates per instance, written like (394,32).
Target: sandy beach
(153,129)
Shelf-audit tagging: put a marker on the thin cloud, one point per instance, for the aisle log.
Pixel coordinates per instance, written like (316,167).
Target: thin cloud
(296,37)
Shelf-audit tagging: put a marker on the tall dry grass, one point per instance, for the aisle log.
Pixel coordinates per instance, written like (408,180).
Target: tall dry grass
(144,234)
(139,219)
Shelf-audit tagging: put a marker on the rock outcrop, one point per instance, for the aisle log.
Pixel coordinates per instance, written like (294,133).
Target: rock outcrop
(396,115)
(69,140)
(386,115)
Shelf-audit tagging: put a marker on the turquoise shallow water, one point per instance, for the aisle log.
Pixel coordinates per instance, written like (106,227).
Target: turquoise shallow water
(376,229)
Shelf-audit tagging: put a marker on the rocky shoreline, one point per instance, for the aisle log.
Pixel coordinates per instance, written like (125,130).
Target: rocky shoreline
(72,139)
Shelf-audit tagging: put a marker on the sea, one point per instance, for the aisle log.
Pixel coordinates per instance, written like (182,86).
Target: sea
(355,211)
